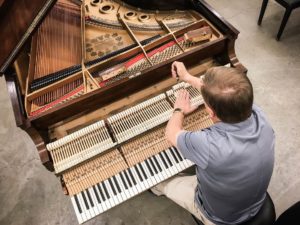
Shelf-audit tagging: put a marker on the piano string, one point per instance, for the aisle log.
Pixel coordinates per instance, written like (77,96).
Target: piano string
(74,85)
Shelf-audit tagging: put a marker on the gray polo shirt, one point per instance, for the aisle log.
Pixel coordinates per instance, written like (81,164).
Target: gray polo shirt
(234,166)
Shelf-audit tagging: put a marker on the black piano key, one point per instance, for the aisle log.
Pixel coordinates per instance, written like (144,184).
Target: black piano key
(85,201)
(138,173)
(101,192)
(112,186)
(157,163)
(96,193)
(167,157)
(77,203)
(127,178)
(132,177)
(117,184)
(152,164)
(143,171)
(105,189)
(149,168)
(123,180)
(163,160)
(178,154)
(173,154)
(90,198)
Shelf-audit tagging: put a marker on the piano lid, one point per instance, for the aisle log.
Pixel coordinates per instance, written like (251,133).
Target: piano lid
(18,19)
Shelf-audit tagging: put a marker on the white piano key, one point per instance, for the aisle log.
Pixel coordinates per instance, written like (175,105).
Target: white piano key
(78,214)
(112,195)
(97,207)
(109,200)
(125,193)
(85,214)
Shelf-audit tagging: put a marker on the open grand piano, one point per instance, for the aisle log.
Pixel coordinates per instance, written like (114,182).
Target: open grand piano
(90,83)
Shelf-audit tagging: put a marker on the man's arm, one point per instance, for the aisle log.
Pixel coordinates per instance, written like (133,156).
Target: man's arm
(182,106)
(174,127)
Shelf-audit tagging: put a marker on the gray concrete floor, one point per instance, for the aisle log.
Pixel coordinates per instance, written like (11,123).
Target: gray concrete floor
(29,194)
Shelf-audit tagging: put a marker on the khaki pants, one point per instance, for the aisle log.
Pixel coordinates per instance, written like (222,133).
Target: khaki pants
(181,190)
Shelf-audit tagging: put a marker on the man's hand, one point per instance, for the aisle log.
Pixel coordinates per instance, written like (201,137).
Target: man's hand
(179,71)
(183,102)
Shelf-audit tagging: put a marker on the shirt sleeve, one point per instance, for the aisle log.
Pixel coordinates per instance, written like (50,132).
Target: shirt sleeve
(195,147)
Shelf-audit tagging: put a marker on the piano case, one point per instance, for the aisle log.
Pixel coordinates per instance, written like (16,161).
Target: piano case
(90,83)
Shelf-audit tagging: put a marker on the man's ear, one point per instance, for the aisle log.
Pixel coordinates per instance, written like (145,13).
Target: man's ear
(211,113)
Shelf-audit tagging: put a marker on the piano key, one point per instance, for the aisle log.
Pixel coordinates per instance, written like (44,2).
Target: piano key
(85,213)
(127,178)
(76,207)
(129,182)
(158,163)
(160,175)
(172,168)
(155,176)
(85,200)
(138,173)
(180,157)
(163,160)
(126,182)
(117,184)
(133,182)
(77,203)
(174,165)
(110,202)
(167,158)
(173,154)
(150,178)
(101,192)
(165,172)
(152,164)
(96,194)
(112,186)
(90,198)
(149,168)
(105,190)
(91,209)
(104,204)
(97,208)
(140,185)
(115,198)
(146,181)
(118,194)
(184,163)
(178,154)
(125,192)
(131,176)
(142,170)
(123,180)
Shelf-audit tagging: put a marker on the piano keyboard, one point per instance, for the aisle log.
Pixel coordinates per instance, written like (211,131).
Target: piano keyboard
(128,183)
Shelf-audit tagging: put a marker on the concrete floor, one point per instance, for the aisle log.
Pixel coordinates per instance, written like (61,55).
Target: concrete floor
(29,194)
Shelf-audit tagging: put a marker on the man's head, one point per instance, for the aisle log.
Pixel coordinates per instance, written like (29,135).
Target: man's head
(228,93)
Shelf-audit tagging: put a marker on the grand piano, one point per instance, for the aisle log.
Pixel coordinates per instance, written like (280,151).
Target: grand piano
(90,83)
